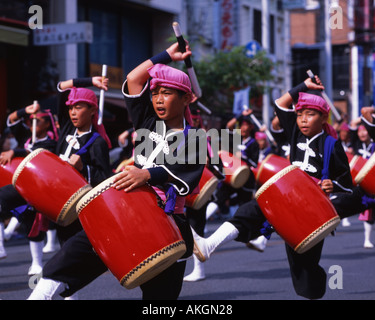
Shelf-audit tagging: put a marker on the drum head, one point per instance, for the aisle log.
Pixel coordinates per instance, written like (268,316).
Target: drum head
(68,213)
(240,177)
(206,193)
(154,265)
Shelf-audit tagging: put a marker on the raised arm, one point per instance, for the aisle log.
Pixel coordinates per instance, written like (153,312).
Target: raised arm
(137,78)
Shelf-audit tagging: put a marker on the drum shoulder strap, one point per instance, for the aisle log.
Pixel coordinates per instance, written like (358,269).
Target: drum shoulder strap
(83,150)
(329,145)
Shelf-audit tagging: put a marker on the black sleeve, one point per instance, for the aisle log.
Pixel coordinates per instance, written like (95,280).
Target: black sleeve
(370,127)
(139,106)
(340,170)
(287,118)
(96,166)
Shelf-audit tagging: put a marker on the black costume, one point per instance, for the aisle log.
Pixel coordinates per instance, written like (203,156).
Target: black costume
(309,279)
(76,264)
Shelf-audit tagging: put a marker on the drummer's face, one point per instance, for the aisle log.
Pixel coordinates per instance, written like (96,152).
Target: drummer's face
(170,105)
(81,116)
(310,122)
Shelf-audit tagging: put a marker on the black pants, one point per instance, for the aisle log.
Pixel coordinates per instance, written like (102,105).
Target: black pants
(10,199)
(309,279)
(76,264)
(197,219)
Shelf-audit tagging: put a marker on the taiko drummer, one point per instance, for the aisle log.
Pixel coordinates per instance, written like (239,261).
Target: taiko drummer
(307,131)
(10,199)
(169,111)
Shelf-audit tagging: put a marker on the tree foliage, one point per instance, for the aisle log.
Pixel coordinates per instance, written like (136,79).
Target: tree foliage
(222,74)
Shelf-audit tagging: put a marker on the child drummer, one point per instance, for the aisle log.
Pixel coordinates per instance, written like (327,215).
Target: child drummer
(163,117)
(307,130)
(10,199)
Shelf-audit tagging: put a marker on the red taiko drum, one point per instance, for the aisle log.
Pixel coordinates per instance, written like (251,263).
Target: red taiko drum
(237,172)
(350,156)
(6,172)
(302,219)
(132,235)
(356,165)
(207,186)
(271,165)
(366,176)
(52,186)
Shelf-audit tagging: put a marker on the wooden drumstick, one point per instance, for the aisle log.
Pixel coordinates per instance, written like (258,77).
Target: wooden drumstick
(325,97)
(182,45)
(33,139)
(101,98)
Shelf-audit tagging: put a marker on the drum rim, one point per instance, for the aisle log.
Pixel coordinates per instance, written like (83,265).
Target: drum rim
(365,169)
(68,213)
(94,193)
(353,161)
(237,173)
(24,163)
(317,235)
(173,252)
(212,183)
(262,165)
(274,178)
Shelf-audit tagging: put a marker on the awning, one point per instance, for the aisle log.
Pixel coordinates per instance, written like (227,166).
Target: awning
(14,36)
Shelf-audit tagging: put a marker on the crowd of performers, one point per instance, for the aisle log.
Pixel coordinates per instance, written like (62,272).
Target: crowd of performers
(300,132)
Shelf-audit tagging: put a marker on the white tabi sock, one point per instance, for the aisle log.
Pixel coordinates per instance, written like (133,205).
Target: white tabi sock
(12,226)
(36,250)
(3,253)
(368,229)
(46,289)
(198,271)
(203,248)
(51,244)
(211,209)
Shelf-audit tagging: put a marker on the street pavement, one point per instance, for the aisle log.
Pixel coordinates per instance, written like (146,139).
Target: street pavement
(234,272)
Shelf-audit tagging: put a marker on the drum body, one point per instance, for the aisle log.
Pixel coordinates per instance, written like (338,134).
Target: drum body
(52,186)
(132,235)
(366,176)
(237,172)
(6,172)
(207,186)
(302,219)
(356,164)
(271,165)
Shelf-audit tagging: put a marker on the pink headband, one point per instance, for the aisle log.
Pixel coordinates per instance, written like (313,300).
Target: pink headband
(47,113)
(311,101)
(88,96)
(260,135)
(82,95)
(165,76)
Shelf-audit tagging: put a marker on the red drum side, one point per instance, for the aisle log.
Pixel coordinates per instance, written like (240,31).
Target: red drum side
(207,186)
(271,165)
(133,236)
(6,172)
(366,176)
(237,172)
(50,185)
(356,165)
(302,219)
